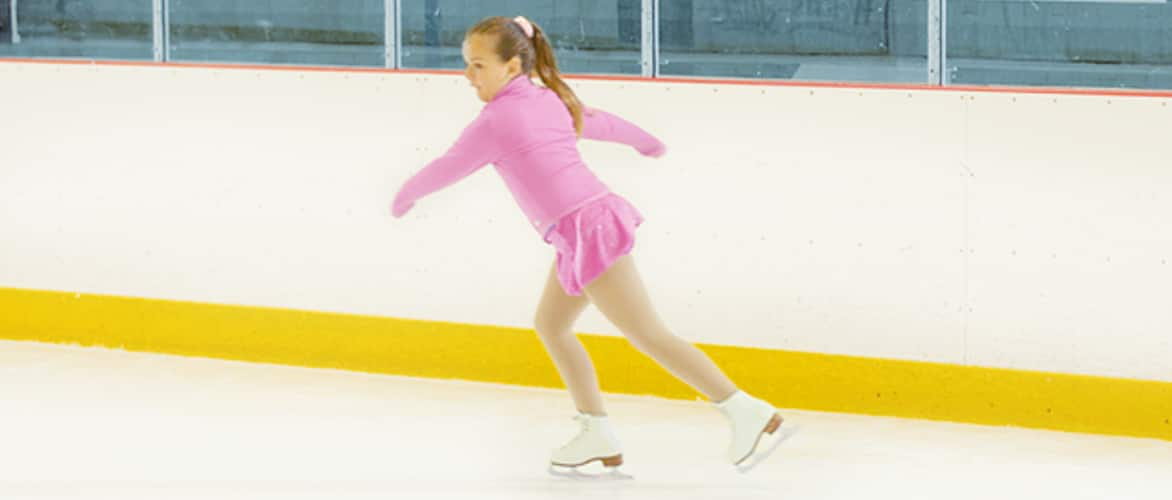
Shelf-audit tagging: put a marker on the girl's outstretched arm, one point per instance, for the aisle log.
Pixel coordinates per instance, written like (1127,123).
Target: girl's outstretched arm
(475,148)
(602,126)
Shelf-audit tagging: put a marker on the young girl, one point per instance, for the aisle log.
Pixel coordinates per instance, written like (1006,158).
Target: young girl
(529,134)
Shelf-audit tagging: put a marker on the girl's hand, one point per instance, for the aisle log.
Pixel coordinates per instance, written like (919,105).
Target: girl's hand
(659,150)
(400,208)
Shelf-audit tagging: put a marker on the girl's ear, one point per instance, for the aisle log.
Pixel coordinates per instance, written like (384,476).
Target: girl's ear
(514,66)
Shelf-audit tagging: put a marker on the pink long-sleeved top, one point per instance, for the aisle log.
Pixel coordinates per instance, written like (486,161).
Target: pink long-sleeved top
(528,134)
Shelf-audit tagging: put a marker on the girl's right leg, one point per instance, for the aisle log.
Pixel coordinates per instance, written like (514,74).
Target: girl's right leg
(554,322)
(596,441)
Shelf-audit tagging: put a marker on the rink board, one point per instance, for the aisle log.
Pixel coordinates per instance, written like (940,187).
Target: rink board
(972,254)
(515,356)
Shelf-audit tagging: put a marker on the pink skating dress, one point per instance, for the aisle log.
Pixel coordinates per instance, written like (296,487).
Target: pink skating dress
(528,135)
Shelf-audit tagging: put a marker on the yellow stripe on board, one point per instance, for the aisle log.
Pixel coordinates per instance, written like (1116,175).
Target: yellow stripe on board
(515,356)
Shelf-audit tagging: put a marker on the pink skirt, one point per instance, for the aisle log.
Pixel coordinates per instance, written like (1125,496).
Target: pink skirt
(590,239)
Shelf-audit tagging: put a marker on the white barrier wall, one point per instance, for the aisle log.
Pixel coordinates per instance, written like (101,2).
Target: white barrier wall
(992,229)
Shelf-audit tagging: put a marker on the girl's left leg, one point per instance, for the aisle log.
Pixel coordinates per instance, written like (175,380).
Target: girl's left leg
(756,426)
(621,296)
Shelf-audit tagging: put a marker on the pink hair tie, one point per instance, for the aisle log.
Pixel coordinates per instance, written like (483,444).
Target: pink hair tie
(525,25)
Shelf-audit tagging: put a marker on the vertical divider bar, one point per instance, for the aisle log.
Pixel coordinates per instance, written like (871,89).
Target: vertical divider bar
(392,35)
(161,25)
(945,74)
(649,54)
(14,29)
(167,30)
(935,45)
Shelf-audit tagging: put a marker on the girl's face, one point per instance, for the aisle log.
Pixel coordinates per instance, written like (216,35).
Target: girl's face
(485,70)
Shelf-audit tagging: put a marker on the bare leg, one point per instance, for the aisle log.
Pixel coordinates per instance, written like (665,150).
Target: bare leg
(555,323)
(621,296)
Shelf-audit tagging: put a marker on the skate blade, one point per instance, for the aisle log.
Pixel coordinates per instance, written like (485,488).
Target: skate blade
(577,474)
(766,445)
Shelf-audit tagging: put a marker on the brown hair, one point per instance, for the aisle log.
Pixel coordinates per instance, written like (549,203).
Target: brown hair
(536,55)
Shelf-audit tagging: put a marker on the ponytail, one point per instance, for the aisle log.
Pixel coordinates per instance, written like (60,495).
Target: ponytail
(546,67)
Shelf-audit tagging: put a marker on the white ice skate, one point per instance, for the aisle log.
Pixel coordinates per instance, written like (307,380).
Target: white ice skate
(595,443)
(757,429)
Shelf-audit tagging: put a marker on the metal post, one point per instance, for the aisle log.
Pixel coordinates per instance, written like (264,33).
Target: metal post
(945,75)
(161,23)
(14,30)
(649,56)
(936,42)
(392,34)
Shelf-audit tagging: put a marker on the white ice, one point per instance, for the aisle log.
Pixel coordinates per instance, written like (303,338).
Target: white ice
(95,423)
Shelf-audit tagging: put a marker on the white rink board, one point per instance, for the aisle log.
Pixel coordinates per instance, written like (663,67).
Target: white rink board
(992,229)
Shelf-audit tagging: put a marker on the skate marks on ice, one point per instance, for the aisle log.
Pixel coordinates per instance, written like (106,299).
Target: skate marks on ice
(775,434)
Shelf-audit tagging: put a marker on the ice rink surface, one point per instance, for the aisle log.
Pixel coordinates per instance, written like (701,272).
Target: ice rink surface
(97,423)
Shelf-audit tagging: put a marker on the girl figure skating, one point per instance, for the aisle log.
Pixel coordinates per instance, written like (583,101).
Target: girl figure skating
(529,133)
